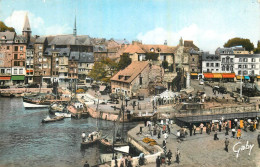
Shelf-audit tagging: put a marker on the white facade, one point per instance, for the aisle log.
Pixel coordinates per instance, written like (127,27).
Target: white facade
(227,63)
(248,64)
(211,63)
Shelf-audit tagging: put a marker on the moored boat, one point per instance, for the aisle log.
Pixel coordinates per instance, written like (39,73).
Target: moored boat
(92,138)
(54,119)
(65,115)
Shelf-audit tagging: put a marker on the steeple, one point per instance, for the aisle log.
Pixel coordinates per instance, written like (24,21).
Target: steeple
(26,28)
(181,42)
(75,28)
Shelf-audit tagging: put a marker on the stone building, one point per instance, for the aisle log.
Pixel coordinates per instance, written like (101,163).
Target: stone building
(136,78)
(85,64)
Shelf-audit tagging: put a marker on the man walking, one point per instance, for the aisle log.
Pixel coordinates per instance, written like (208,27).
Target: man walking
(226,144)
(178,156)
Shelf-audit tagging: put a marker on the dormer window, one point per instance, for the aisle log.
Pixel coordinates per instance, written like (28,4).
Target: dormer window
(152,49)
(127,77)
(120,76)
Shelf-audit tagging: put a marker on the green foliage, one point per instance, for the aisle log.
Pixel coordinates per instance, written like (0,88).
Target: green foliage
(249,46)
(151,56)
(124,61)
(3,27)
(165,64)
(98,71)
(111,64)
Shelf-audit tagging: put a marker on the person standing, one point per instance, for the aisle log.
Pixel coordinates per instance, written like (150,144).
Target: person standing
(219,126)
(190,128)
(226,144)
(233,132)
(216,136)
(169,156)
(194,129)
(158,161)
(201,128)
(83,136)
(168,129)
(226,126)
(159,133)
(238,133)
(86,164)
(178,156)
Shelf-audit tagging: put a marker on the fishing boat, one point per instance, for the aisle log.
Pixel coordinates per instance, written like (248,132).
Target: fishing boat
(54,119)
(6,94)
(37,101)
(78,110)
(58,108)
(91,138)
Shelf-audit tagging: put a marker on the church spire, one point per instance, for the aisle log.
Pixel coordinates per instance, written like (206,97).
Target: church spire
(26,28)
(75,28)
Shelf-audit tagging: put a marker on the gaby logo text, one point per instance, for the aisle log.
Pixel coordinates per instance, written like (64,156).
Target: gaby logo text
(238,147)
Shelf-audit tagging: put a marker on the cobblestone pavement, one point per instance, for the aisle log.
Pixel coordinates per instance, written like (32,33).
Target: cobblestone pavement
(202,150)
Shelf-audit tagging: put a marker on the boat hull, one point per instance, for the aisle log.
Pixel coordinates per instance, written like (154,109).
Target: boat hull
(32,105)
(57,118)
(65,115)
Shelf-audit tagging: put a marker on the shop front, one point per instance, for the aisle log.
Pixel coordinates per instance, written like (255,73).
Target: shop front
(17,79)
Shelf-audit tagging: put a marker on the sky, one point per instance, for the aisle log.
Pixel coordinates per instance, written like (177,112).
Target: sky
(209,23)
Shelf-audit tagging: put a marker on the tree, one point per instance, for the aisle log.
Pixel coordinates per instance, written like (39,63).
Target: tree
(165,64)
(249,46)
(152,56)
(257,50)
(3,27)
(98,71)
(124,61)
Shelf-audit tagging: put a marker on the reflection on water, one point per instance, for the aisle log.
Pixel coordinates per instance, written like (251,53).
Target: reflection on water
(25,141)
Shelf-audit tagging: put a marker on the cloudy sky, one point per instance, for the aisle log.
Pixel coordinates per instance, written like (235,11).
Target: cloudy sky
(209,23)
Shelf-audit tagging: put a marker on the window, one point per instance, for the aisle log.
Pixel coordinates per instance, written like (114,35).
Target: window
(140,80)
(253,66)
(1,62)
(252,72)
(193,59)
(223,60)
(1,55)
(240,66)
(245,66)
(57,59)
(40,53)
(16,48)
(227,68)
(15,71)
(21,56)
(87,65)
(15,56)
(40,59)
(240,59)
(207,65)
(2,70)
(245,72)
(21,71)
(40,47)
(45,66)
(231,60)
(44,59)
(253,59)
(207,70)
(231,68)
(216,69)
(245,59)
(223,68)
(62,60)
(239,72)
(8,47)
(217,64)
(21,48)
(212,64)
(16,63)
(192,70)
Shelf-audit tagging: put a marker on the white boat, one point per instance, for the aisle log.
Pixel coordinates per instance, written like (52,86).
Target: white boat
(65,115)
(31,105)
(54,119)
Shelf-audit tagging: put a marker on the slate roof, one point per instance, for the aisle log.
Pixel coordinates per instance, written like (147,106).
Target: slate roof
(189,43)
(61,51)
(131,71)
(26,26)
(20,39)
(74,56)
(247,55)
(8,35)
(224,51)
(210,57)
(122,41)
(40,39)
(99,48)
(69,40)
(86,57)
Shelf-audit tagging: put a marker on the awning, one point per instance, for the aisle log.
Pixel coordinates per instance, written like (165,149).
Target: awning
(27,71)
(217,75)
(18,77)
(208,75)
(193,73)
(258,77)
(5,78)
(247,77)
(239,77)
(228,75)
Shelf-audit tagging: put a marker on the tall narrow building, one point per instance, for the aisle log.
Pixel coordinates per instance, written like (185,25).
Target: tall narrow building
(26,28)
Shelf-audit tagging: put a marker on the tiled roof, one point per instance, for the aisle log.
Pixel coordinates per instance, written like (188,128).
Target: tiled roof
(158,48)
(133,49)
(131,71)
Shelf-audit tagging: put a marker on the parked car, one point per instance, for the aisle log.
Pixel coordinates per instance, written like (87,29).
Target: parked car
(201,82)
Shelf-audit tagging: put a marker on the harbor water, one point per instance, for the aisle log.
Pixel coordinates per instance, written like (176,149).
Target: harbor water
(25,141)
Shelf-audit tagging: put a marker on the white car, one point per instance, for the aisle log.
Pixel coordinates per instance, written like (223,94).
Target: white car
(201,82)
